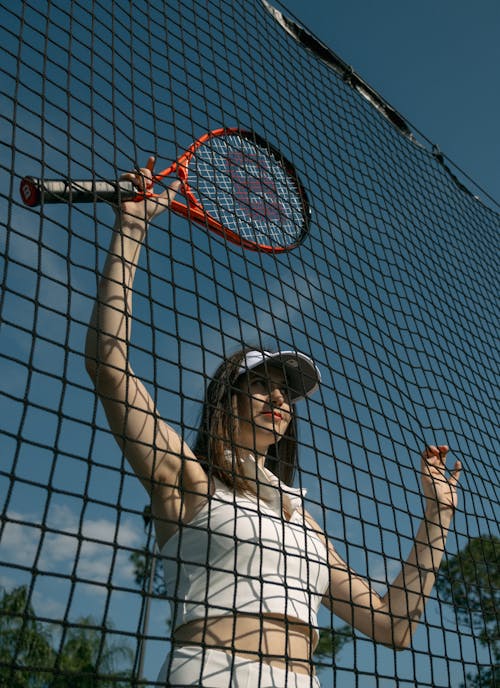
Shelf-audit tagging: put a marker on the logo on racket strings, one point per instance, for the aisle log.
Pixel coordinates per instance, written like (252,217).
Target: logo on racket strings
(253,186)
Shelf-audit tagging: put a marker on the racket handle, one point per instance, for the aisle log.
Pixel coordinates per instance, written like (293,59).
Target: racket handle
(35,191)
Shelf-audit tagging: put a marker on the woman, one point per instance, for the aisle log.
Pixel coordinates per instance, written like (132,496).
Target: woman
(246,566)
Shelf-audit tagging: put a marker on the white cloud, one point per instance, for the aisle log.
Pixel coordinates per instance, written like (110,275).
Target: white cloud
(382,572)
(7,582)
(19,542)
(92,547)
(48,607)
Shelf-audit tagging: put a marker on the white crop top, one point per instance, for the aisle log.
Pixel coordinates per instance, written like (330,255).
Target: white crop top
(240,555)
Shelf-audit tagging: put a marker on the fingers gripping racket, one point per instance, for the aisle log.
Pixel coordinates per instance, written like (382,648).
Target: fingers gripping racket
(233,183)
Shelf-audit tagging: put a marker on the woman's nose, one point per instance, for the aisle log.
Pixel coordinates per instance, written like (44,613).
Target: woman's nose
(277,396)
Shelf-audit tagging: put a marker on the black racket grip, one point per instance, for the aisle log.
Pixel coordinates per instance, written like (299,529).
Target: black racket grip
(35,191)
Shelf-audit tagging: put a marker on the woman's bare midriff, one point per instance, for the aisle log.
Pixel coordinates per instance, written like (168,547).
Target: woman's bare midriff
(280,642)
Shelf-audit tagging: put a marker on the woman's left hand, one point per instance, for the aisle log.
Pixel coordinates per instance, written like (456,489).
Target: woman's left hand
(439,489)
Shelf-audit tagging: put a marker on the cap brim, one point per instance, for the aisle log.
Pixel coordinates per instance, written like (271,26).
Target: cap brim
(302,376)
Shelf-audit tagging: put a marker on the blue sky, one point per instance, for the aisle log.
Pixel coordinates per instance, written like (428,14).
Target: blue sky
(435,61)
(401,351)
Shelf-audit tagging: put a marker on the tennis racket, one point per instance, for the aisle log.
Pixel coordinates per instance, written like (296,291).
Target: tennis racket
(233,182)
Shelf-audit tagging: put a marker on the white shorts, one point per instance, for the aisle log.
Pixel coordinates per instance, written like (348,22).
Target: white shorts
(197,666)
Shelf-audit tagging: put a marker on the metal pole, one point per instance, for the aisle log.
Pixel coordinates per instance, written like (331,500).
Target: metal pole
(145,621)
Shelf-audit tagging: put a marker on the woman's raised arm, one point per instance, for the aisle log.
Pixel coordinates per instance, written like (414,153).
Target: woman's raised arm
(154,450)
(391,619)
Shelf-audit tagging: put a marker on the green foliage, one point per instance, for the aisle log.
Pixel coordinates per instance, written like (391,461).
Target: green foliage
(487,677)
(87,660)
(143,563)
(25,641)
(30,658)
(470,582)
(331,641)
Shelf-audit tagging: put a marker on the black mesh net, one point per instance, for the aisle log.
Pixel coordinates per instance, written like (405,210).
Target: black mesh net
(393,293)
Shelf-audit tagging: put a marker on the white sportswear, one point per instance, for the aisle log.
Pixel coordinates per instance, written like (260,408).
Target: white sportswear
(240,555)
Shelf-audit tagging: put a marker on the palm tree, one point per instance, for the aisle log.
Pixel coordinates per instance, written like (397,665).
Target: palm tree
(30,658)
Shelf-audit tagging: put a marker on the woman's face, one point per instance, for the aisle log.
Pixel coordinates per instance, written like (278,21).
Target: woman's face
(264,408)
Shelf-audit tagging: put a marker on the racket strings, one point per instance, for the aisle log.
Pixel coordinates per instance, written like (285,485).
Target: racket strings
(249,191)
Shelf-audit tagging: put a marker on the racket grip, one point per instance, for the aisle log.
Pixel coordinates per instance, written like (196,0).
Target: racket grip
(36,191)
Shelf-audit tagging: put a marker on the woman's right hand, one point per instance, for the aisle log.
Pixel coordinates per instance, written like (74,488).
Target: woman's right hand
(145,208)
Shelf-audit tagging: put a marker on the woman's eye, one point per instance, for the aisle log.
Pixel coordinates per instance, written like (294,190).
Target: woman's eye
(262,386)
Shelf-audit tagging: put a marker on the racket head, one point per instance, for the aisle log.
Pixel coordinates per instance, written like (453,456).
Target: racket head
(241,187)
